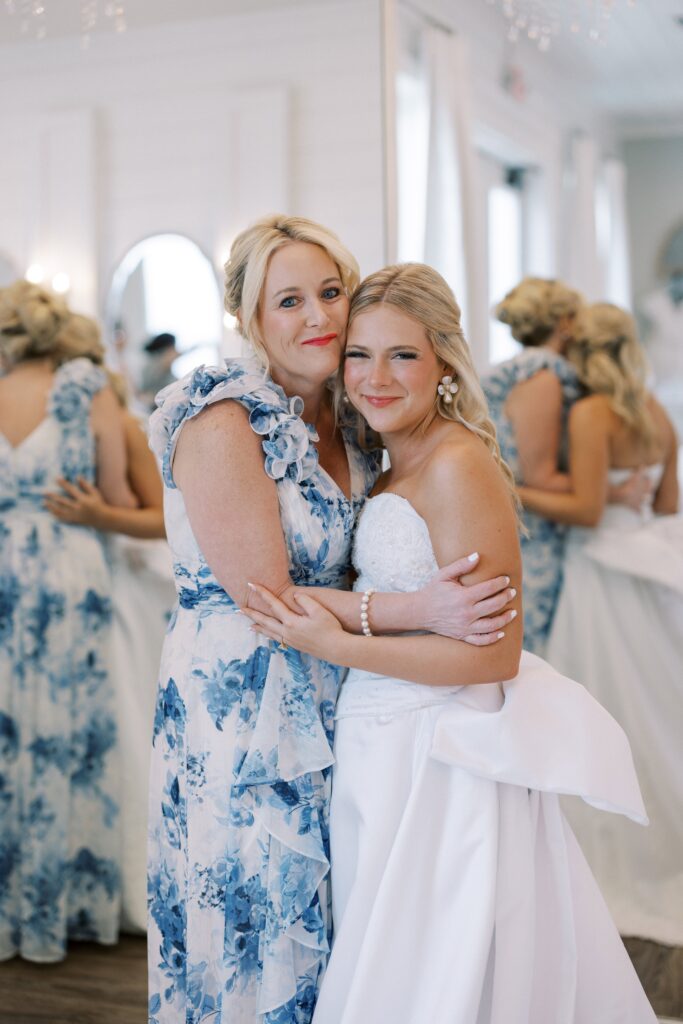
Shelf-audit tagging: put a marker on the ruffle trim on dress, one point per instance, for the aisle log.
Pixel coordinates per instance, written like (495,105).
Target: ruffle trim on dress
(544,732)
(283,768)
(76,381)
(531,361)
(275,417)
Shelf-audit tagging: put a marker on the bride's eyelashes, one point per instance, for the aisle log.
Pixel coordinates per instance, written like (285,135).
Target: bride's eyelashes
(357,354)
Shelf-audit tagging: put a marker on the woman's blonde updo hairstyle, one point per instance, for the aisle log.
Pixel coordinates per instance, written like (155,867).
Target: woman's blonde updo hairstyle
(609,361)
(37,324)
(247,266)
(421,293)
(534,308)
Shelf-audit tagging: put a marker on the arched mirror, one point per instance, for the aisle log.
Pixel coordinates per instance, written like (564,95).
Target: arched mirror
(165,313)
(8,271)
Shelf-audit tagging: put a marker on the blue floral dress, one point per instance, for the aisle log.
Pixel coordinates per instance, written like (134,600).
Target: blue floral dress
(240,924)
(59,861)
(543,548)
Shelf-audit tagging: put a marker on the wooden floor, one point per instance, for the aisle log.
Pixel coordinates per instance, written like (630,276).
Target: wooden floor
(105,985)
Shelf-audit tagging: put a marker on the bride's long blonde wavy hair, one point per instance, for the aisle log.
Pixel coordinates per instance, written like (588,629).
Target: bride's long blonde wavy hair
(609,361)
(421,293)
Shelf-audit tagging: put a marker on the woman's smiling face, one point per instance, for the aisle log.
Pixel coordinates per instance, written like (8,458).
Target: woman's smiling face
(302,315)
(391,371)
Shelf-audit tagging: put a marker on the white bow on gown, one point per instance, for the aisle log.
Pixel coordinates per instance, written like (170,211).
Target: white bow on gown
(460,895)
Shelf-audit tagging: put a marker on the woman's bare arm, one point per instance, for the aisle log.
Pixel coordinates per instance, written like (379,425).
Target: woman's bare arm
(82,504)
(534,408)
(235,517)
(464,495)
(667,496)
(106,419)
(589,435)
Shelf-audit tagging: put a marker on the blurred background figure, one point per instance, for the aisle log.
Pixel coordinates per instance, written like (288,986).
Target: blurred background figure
(529,398)
(143,595)
(618,628)
(662,315)
(157,373)
(59,814)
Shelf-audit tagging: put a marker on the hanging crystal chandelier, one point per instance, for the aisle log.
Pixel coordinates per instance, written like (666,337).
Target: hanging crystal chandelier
(541,21)
(34,16)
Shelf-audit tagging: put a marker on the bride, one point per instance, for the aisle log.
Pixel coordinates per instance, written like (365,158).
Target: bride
(460,895)
(618,628)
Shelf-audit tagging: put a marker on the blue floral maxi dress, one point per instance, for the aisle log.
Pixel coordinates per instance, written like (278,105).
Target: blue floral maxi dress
(59,861)
(543,548)
(240,925)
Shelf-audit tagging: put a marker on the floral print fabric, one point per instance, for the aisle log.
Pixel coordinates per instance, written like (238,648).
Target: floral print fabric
(59,861)
(239,842)
(543,548)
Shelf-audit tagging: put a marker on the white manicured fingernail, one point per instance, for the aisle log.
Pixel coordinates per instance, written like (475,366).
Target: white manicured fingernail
(513,593)
(251,586)
(513,614)
(507,580)
(501,635)
(473,557)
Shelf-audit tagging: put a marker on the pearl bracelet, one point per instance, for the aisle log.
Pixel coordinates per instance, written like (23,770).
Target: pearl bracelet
(364,606)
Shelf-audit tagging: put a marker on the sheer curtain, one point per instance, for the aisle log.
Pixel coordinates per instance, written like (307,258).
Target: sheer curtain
(437,202)
(613,238)
(596,225)
(453,235)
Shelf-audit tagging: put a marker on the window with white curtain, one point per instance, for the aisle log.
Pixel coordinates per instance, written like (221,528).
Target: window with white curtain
(503,195)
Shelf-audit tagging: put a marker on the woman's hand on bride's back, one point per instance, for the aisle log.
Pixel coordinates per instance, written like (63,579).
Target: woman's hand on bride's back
(474,613)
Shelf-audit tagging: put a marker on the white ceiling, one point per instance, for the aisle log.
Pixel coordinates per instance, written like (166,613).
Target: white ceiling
(638,75)
(63,17)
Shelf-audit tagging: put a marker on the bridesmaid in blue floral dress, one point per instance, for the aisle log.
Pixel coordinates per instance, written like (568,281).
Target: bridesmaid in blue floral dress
(259,485)
(59,871)
(529,398)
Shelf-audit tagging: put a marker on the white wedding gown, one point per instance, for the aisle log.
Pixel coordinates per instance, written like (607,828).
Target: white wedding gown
(143,595)
(618,629)
(460,895)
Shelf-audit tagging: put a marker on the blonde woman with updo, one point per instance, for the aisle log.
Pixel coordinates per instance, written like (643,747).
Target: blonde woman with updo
(619,622)
(459,893)
(59,819)
(262,486)
(529,398)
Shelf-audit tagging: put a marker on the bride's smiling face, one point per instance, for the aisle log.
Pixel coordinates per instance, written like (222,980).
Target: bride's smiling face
(391,372)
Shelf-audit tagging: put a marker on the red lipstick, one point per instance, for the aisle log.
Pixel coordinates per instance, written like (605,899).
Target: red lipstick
(324,339)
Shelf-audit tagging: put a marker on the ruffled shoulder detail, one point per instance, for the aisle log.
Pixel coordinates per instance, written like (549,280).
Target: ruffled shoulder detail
(275,417)
(532,360)
(76,382)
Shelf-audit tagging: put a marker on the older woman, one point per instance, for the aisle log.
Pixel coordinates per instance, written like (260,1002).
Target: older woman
(59,824)
(261,486)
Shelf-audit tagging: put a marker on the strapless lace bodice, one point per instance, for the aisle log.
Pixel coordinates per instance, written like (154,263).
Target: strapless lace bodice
(392,551)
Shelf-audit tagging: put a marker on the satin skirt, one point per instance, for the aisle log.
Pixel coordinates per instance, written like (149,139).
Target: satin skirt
(460,895)
(619,630)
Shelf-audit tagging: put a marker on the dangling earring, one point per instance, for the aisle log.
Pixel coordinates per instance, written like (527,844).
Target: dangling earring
(446,389)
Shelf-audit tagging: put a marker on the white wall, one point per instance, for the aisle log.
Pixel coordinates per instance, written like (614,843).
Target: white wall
(654,170)
(196,128)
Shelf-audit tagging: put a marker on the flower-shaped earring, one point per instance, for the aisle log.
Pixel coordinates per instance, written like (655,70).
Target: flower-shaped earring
(447,388)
